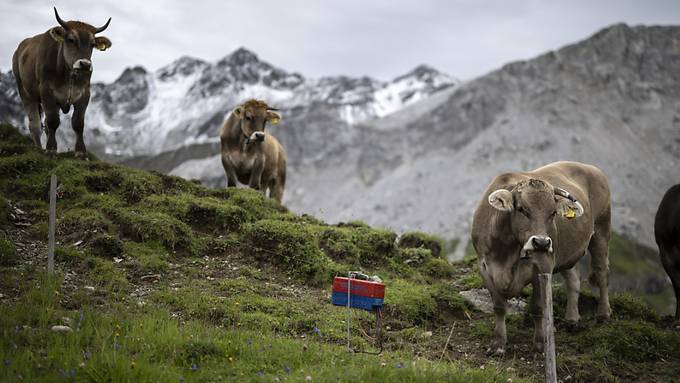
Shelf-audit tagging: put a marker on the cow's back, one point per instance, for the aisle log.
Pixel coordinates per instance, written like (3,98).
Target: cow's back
(667,220)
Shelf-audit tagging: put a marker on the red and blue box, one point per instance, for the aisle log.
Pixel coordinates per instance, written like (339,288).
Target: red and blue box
(365,295)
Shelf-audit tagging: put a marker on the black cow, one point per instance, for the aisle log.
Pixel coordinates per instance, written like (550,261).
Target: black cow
(53,71)
(667,233)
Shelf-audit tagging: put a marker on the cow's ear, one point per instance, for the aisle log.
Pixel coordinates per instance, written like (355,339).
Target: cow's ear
(238,112)
(102,43)
(569,209)
(273,117)
(58,34)
(501,199)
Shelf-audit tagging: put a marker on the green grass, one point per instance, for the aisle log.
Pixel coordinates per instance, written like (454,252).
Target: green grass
(177,282)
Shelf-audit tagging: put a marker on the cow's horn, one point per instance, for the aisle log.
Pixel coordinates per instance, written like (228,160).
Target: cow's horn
(273,109)
(61,22)
(563,193)
(102,28)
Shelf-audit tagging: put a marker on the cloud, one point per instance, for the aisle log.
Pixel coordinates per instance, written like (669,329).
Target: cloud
(383,39)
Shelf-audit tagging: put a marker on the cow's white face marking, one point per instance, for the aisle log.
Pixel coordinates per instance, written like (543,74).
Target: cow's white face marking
(529,245)
(83,64)
(256,136)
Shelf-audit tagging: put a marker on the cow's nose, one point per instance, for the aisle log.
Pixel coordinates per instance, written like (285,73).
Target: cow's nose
(83,64)
(259,137)
(541,243)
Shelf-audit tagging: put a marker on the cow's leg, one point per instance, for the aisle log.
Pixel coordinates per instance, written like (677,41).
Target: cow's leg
(33,111)
(276,190)
(670,259)
(536,311)
(229,170)
(573,284)
(78,124)
(52,119)
(500,337)
(599,269)
(256,174)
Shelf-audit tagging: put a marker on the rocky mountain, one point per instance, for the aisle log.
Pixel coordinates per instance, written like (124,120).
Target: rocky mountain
(415,153)
(612,100)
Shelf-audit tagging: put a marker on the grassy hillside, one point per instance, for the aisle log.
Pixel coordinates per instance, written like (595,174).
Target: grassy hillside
(161,279)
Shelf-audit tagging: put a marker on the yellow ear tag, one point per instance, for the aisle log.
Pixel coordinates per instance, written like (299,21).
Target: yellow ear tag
(570,213)
(274,120)
(101,47)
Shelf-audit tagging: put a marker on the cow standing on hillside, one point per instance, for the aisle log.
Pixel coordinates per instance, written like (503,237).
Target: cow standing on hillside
(667,234)
(52,72)
(542,221)
(249,154)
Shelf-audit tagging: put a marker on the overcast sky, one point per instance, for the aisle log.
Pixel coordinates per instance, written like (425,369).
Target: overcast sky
(379,38)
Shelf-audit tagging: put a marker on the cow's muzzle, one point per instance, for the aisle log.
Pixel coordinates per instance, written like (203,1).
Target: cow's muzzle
(83,65)
(257,137)
(536,243)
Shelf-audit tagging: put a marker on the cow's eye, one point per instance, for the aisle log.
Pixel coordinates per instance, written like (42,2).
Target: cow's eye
(71,40)
(249,118)
(523,211)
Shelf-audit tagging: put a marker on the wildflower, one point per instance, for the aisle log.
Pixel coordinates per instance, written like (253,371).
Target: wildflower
(399,365)
(194,367)
(316,330)
(80,320)
(86,355)
(7,362)
(287,369)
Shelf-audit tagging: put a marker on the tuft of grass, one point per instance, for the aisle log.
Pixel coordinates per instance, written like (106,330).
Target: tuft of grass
(145,225)
(80,221)
(418,239)
(106,246)
(148,257)
(203,212)
(291,245)
(357,245)
(8,253)
(107,276)
(68,255)
(412,303)
(472,280)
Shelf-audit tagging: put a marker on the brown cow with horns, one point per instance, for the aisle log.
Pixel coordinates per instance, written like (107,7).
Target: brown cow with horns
(53,71)
(542,221)
(251,155)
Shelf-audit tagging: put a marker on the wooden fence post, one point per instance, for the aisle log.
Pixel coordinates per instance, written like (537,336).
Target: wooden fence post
(549,342)
(52,224)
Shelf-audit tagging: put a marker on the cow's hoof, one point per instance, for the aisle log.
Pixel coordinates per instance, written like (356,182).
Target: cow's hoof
(601,318)
(495,351)
(51,153)
(82,156)
(538,346)
(573,326)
